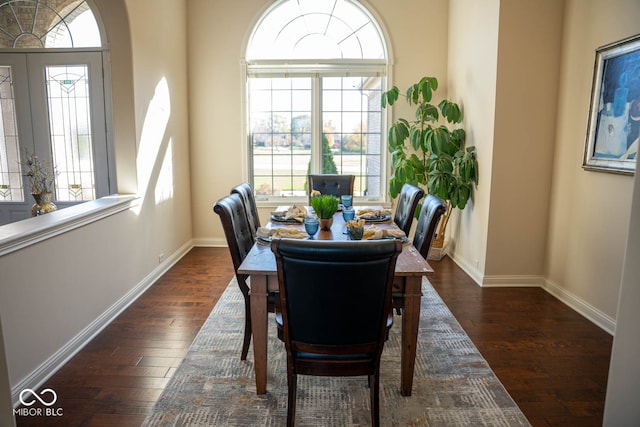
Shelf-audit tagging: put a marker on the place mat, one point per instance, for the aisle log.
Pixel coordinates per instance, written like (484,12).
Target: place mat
(292,214)
(265,235)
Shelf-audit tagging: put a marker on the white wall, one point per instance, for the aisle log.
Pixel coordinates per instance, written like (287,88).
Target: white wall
(6,407)
(473,67)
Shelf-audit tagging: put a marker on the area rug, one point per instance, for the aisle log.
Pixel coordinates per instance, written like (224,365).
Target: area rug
(453,385)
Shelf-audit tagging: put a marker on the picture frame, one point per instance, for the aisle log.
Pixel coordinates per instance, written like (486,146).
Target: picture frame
(613,129)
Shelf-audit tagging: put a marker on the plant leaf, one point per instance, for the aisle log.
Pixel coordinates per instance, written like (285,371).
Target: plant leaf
(451,111)
(390,96)
(415,138)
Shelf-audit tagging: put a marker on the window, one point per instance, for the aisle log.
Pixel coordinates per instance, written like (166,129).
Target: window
(315,74)
(52,102)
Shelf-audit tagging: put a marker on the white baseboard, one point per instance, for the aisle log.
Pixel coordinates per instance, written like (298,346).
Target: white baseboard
(210,243)
(597,317)
(592,314)
(512,281)
(50,366)
(472,271)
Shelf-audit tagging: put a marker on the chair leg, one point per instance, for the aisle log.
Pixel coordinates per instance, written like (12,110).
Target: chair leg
(292,385)
(374,392)
(247,328)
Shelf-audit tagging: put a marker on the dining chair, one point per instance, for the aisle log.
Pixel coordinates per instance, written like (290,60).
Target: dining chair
(408,200)
(334,184)
(432,210)
(239,240)
(335,301)
(246,193)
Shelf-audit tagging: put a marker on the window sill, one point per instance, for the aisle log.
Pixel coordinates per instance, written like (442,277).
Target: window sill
(21,234)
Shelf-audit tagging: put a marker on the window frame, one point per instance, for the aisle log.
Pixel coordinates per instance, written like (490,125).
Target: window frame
(306,68)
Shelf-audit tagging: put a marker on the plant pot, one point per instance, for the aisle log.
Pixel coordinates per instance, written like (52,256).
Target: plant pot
(43,204)
(325,224)
(438,241)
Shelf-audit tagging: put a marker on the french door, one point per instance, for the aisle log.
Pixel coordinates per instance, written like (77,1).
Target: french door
(52,105)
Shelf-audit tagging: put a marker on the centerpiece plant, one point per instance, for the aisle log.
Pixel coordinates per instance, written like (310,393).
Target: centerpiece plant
(325,206)
(428,153)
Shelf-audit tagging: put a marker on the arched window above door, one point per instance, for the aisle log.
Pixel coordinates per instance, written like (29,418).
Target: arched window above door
(28,24)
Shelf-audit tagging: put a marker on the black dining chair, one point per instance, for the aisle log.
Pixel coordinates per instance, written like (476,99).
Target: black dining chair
(408,200)
(432,210)
(239,240)
(246,193)
(334,184)
(335,300)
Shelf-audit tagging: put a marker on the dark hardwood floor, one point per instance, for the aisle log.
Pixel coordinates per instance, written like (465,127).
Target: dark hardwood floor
(553,362)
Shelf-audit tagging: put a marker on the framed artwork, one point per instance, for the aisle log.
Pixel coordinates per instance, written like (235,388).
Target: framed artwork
(614,113)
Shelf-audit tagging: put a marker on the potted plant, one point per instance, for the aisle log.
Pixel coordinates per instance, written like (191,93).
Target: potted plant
(429,154)
(325,206)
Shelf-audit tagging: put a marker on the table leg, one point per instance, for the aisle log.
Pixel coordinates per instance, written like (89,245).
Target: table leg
(410,323)
(259,320)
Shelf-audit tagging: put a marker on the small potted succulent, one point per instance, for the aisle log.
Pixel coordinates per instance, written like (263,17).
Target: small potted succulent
(325,206)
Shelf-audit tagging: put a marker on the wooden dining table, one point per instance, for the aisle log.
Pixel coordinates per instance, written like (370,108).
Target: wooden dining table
(260,265)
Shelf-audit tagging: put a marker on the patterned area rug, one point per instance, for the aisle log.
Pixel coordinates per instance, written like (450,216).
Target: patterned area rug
(453,385)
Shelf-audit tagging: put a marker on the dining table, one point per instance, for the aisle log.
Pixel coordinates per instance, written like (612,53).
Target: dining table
(260,265)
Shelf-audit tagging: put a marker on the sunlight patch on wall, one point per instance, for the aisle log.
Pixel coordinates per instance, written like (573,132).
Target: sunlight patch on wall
(164,186)
(150,151)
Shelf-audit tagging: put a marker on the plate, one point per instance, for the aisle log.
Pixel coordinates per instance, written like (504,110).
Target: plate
(384,218)
(403,239)
(283,219)
(266,241)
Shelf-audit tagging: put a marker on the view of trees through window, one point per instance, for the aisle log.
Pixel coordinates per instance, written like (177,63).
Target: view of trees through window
(282,137)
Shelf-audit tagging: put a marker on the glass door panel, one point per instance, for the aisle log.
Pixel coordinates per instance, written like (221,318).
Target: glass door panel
(70,128)
(11,189)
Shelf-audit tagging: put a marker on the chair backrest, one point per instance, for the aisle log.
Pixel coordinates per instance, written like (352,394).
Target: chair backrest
(432,210)
(335,295)
(408,200)
(236,229)
(246,193)
(334,184)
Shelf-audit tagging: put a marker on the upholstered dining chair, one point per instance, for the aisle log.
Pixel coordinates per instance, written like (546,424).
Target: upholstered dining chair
(408,200)
(246,193)
(432,210)
(334,184)
(335,299)
(240,240)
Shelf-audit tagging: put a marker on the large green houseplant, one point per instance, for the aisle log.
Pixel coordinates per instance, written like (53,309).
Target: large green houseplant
(428,153)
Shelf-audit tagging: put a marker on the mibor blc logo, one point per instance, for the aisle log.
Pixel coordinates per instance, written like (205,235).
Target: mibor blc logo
(47,398)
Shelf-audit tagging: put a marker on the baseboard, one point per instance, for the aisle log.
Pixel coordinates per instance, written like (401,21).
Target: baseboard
(50,366)
(475,274)
(210,243)
(585,309)
(512,281)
